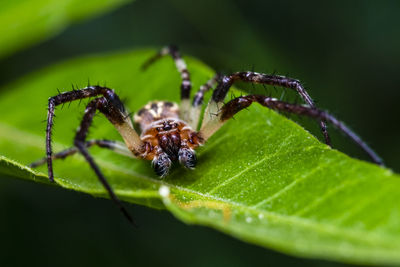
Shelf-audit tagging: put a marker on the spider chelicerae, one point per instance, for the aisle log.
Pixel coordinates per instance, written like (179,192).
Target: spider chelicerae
(168,131)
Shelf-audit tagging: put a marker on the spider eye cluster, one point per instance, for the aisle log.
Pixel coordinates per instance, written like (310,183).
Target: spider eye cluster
(167,126)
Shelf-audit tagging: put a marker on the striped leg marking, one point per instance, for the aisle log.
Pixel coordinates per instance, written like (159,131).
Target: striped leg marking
(180,64)
(197,103)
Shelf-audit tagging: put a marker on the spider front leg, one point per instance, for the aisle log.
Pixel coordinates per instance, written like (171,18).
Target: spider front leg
(111,106)
(234,106)
(116,113)
(254,77)
(79,142)
(186,84)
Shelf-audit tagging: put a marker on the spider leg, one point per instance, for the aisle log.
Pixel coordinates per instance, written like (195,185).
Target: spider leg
(113,109)
(274,80)
(111,106)
(237,104)
(182,68)
(79,142)
(115,146)
(198,98)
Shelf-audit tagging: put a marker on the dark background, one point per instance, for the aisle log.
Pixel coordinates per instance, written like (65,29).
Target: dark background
(346,53)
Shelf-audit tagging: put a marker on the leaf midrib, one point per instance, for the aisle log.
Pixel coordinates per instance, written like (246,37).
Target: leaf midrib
(354,234)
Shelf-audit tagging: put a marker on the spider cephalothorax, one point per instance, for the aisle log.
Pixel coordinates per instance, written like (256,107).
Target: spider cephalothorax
(166,132)
(165,137)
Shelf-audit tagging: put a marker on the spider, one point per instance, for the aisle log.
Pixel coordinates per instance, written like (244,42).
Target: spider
(168,131)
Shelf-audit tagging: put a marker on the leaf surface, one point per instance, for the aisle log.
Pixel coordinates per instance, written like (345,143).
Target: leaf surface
(24,22)
(261,178)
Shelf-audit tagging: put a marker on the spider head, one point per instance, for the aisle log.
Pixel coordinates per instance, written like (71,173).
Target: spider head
(170,140)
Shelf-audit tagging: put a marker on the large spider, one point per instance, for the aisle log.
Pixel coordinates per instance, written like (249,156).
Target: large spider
(169,132)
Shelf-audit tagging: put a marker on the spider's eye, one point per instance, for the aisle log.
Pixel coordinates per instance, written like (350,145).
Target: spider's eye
(187,158)
(159,129)
(161,164)
(175,125)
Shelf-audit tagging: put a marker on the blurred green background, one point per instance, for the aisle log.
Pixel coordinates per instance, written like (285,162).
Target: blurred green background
(345,52)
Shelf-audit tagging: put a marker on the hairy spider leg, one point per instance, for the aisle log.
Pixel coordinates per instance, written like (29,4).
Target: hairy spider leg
(234,106)
(111,106)
(186,84)
(274,80)
(80,138)
(118,117)
(198,98)
(115,146)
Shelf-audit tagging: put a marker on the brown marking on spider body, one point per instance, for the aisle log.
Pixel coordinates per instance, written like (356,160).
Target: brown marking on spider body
(168,135)
(163,132)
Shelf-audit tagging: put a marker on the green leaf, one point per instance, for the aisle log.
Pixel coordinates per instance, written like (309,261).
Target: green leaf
(25,22)
(261,178)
